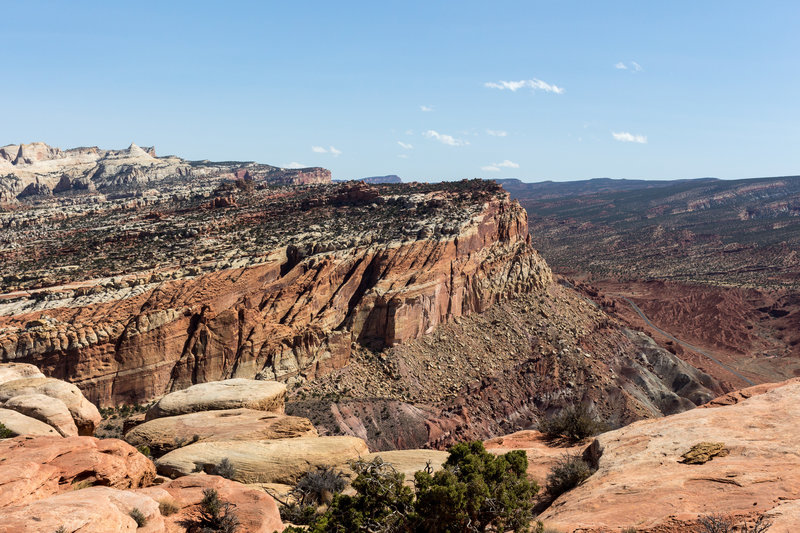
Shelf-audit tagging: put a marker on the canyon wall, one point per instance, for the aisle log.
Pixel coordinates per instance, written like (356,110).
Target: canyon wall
(294,316)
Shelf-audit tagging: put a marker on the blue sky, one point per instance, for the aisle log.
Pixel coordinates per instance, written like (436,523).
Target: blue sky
(708,88)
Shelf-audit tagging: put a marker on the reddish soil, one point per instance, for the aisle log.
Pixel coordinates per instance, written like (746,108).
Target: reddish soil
(755,332)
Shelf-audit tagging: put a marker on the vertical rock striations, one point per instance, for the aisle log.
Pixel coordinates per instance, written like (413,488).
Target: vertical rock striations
(297,313)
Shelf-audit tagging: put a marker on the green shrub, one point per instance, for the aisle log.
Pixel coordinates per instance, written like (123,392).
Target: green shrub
(5,433)
(144,450)
(225,469)
(214,516)
(320,486)
(574,423)
(475,491)
(138,517)
(569,472)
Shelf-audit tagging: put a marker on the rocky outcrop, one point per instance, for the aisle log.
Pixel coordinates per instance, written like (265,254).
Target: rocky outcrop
(37,169)
(445,251)
(267,461)
(30,395)
(228,394)
(166,434)
(19,424)
(641,481)
(90,510)
(36,467)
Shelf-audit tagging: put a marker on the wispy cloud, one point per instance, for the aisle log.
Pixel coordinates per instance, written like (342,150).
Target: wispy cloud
(624,136)
(495,167)
(444,139)
(295,164)
(403,156)
(533,84)
(405,146)
(330,150)
(426,108)
(497,133)
(633,66)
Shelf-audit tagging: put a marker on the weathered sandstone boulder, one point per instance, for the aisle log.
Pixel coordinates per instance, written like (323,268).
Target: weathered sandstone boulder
(84,413)
(37,467)
(20,424)
(407,462)
(256,510)
(163,435)
(227,394)
(49,410)
(268,461)
(12,371)
(90,510)
(641,482)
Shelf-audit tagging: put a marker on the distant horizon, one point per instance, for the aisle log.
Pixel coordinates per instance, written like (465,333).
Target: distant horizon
(430,92)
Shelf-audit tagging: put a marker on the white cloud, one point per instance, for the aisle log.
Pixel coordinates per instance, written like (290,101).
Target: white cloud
(497,133)
(295,164)
(444,139)
(405,146)
(426,108)
(630,65)
(409,132)
(533,84)
(403,156)
(495,167)
(330,150)
(626,137)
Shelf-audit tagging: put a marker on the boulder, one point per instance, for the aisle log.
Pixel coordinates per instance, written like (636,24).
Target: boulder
(84,413)
(407,462)
(38,467)
(19,424)
(227,394)
(267,461)
(12,371)
(163,435)
(51,411)
(642,483)
(91,510)
(256,510)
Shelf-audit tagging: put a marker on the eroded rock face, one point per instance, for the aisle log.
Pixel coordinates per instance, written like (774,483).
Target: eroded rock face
(47,409)
(37,467)
(256,510)
(426,255)
(90,510)
(227,394)
(85,415)
(20,424)
(641,482)
(166,434)
(268,461)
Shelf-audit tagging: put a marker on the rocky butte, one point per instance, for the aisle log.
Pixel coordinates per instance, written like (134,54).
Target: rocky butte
(133,297)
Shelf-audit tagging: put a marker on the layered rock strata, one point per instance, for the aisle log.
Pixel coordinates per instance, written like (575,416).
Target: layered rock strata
(425,254)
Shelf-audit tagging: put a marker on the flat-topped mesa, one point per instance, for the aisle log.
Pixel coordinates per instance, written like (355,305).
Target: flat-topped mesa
(53,169)
(374,265)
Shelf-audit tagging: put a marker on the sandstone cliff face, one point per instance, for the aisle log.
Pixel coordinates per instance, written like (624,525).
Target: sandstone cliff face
(291,317)
(36,169)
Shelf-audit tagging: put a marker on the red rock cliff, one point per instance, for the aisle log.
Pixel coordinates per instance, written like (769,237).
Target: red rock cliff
(294,316)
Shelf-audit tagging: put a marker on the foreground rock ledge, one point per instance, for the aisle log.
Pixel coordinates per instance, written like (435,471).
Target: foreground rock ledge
(268,461)
(227,394)
(163,435)
(641,484)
